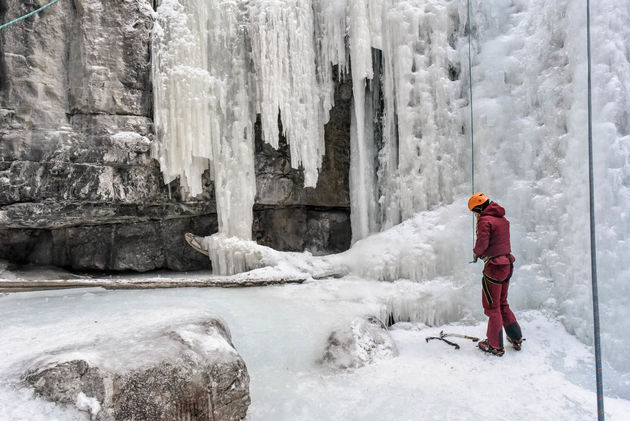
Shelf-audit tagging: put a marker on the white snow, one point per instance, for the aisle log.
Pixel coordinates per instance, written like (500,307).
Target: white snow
(204,340)
(281,333)
(434,249)
(85,403)
(232,255)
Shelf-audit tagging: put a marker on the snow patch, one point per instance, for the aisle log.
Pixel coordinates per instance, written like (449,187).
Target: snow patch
(85,403)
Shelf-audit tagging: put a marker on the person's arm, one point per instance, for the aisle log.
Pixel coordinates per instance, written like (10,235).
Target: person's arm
(483,237)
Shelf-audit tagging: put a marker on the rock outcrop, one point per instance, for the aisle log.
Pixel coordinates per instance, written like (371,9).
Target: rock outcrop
(364,342)
(191,373)
(78,187)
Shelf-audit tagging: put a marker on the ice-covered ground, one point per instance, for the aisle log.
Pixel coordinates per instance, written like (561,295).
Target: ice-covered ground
(281,333)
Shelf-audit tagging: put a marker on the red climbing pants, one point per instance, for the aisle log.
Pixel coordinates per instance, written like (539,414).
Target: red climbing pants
(495,304)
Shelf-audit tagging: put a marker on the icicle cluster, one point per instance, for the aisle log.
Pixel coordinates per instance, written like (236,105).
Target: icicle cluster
(284,57)
(219,62)
(203,112)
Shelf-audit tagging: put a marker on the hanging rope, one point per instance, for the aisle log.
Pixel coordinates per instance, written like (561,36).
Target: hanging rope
(28,15)
(598,347)
(472,127)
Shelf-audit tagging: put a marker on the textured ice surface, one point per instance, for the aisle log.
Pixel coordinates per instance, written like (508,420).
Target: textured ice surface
(423,249)
(529,86)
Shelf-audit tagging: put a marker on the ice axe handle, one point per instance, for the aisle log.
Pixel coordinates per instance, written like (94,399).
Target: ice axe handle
(442,339)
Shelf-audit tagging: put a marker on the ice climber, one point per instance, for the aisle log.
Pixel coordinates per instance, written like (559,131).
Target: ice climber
(493,246)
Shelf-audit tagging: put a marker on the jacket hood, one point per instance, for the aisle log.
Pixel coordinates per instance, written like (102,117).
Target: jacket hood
(494,209)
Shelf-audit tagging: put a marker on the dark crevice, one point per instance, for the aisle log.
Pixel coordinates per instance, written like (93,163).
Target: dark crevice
(453,72)
(301,207)
(103,113)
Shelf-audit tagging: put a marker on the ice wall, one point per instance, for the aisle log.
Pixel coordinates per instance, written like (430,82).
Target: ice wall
(410,146)
(530,91)
(419,162)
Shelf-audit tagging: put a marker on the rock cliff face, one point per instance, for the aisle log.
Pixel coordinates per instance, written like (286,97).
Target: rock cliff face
(78,187)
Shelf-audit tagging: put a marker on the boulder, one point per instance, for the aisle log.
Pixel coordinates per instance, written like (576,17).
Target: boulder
(364,342)
(189,373)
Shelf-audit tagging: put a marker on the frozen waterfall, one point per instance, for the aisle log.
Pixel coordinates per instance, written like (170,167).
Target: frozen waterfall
(204,116)
(228,60)
(219,63)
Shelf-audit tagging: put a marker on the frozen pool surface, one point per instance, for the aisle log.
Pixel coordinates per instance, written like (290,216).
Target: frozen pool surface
(281,333)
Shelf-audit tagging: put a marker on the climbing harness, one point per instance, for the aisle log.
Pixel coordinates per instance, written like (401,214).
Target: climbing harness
(598,347)
(28,14)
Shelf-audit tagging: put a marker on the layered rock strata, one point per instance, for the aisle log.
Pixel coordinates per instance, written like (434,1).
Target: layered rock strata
(77,185)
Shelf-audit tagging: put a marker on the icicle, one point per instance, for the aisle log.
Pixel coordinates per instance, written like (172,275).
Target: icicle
(364,24)
(181,86)
(330,37)
(363,200)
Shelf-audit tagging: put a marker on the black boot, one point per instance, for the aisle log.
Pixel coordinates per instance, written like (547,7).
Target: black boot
(514,335)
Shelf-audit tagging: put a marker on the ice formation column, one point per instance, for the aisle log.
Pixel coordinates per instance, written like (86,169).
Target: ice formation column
(364,33)
(203,113)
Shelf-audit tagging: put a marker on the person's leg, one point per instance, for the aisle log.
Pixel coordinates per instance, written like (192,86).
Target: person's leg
(506,312)
(512,328)
(491,300)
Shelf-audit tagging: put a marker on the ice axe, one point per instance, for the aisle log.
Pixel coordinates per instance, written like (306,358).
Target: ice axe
(457,335)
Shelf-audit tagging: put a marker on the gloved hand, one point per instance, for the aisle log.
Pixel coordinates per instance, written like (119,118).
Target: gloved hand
(474,260)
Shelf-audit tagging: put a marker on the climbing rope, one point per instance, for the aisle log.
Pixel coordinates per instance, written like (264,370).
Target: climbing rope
(472,131)
(28,15)
(598,347)
(472,127)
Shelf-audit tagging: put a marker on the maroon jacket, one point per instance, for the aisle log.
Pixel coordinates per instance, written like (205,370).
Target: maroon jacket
(493,232)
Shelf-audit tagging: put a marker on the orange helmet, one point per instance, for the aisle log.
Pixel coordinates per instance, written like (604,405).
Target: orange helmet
(476,202)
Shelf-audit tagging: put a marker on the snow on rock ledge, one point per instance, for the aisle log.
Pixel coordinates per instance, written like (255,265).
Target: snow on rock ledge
(364,342)
(190,373)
